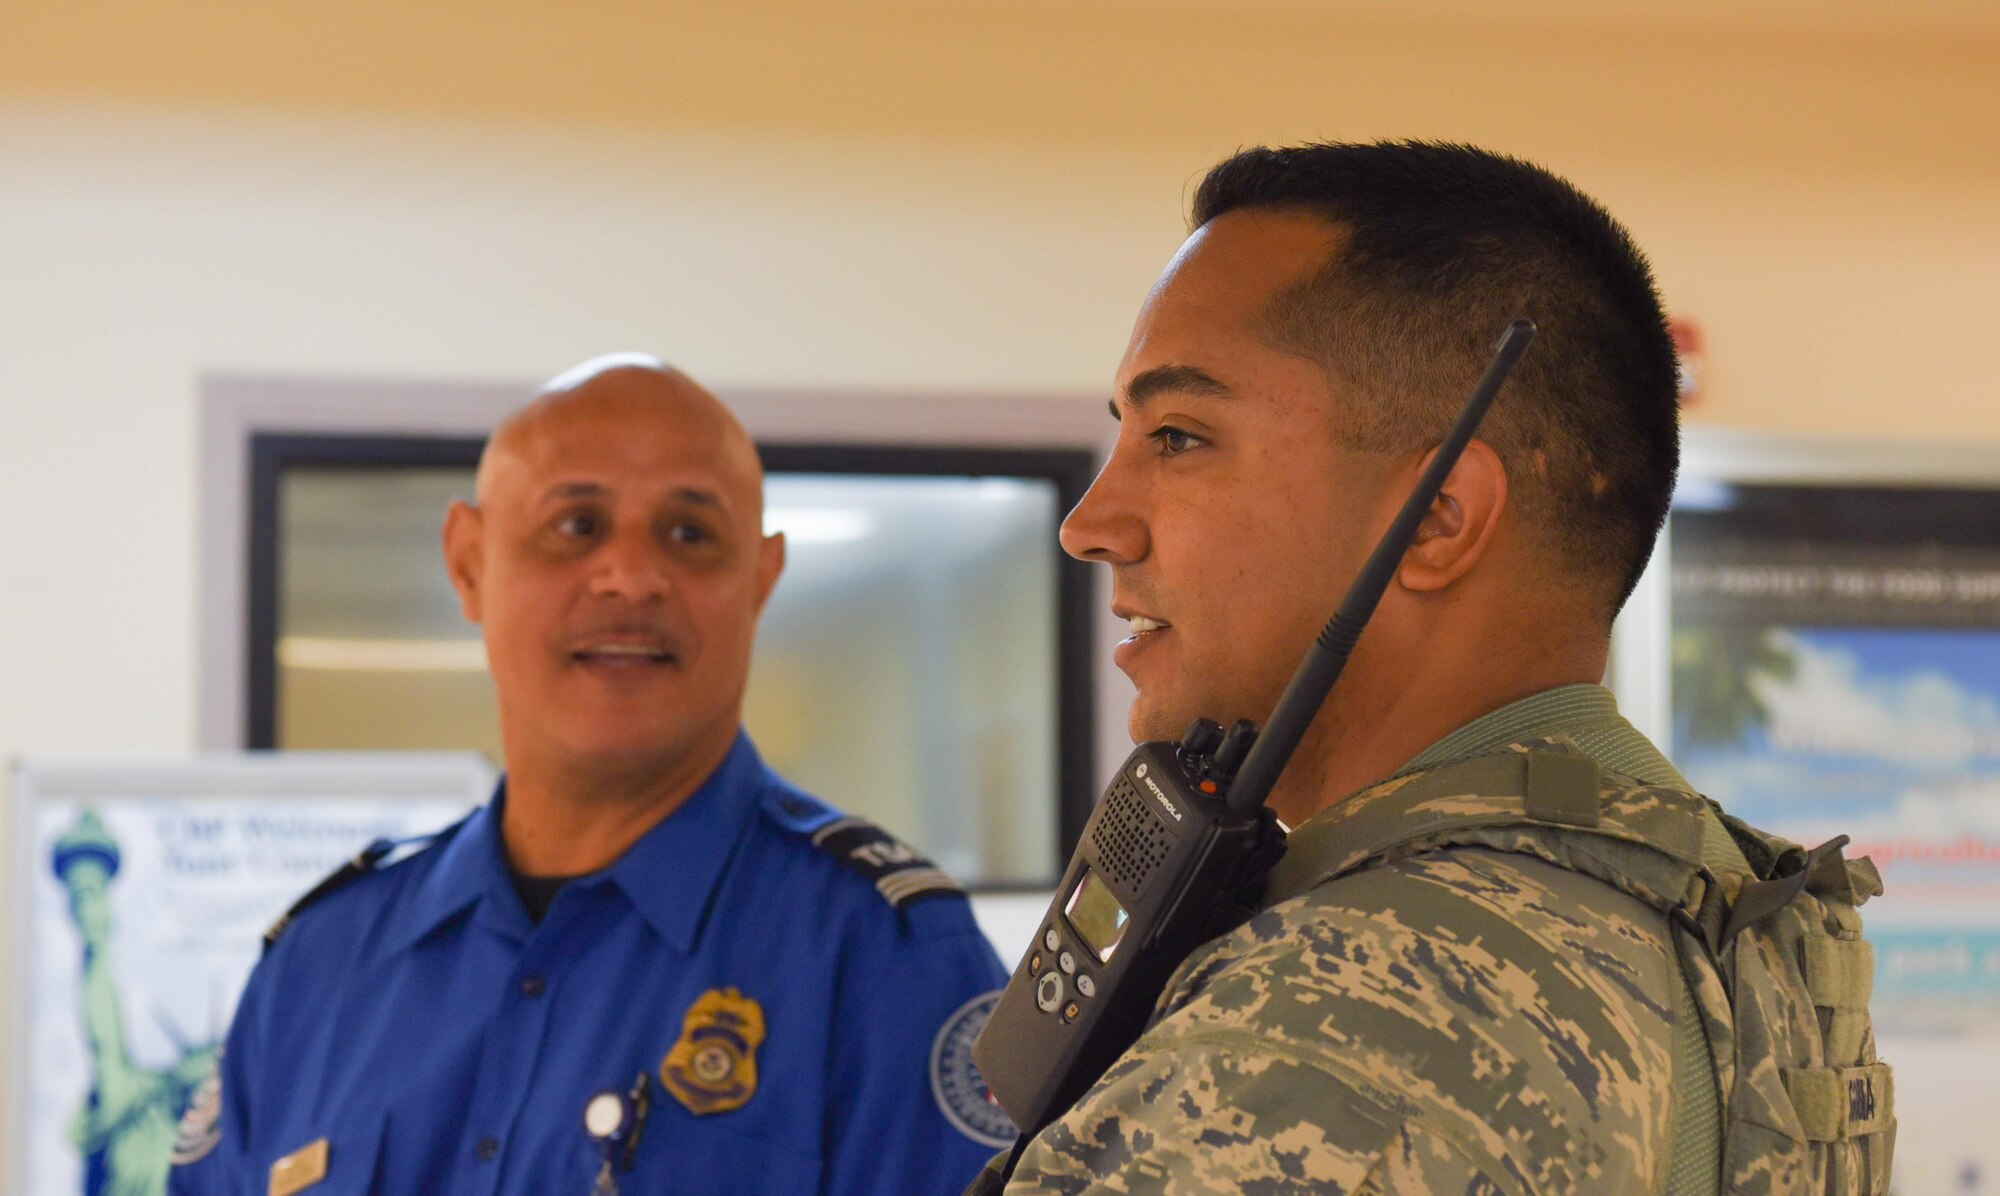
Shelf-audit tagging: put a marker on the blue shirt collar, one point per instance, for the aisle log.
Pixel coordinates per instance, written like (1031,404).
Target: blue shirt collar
(670,875)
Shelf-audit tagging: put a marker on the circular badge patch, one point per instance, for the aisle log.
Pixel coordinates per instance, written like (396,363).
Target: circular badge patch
(200,1128)
(962,1095)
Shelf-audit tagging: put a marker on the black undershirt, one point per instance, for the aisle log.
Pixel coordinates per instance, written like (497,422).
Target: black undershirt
(537,893)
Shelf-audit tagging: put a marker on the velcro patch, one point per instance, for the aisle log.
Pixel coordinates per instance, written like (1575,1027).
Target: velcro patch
(1835,1103)
(896,871)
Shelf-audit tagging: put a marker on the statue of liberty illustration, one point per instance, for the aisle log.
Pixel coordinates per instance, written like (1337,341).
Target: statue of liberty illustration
(126,1129)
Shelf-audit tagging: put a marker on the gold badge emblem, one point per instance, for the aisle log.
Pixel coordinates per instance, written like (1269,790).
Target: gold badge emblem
(713,1068)
(299,1170)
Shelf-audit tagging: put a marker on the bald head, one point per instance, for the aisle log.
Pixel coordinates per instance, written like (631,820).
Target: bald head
(616,561)
(595,402)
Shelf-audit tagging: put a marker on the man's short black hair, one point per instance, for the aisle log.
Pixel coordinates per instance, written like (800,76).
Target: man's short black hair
(1442,245)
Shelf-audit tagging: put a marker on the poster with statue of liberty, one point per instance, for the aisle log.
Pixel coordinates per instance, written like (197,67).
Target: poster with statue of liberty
(140,897)
(1836,670)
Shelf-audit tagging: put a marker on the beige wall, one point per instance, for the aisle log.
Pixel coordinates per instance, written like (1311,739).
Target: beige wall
(855,196)
(913,196)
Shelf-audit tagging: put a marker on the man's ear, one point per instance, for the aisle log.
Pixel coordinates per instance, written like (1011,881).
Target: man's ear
(1457,530)
(770,563)
(465,555)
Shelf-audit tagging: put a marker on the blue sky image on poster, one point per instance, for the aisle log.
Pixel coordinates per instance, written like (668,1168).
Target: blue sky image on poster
(1890,736)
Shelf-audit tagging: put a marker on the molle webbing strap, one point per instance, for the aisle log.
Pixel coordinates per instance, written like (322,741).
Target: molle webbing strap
(1836,1103)
(1840,973)
(1759,899)
(1694,1126)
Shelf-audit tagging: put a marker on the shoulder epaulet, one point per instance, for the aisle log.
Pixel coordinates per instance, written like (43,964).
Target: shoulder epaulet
(895,869)
(367,860)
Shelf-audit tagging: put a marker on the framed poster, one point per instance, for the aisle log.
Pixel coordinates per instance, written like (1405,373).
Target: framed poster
(141,894)
(1830,653)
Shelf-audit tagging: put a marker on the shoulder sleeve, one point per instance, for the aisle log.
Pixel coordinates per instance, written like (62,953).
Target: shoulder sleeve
(1466,1011)
(906,1111)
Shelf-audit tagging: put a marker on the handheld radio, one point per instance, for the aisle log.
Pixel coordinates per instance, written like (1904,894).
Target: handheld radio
(1176,850)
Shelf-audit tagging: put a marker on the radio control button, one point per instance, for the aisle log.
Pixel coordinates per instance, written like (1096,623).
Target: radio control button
(1070,1011)
(1052,940)
(1086,986)
(1067,963)
(1049,992)
(1035,964)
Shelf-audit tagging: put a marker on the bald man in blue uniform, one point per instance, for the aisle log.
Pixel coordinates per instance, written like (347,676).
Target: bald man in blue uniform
(649,965)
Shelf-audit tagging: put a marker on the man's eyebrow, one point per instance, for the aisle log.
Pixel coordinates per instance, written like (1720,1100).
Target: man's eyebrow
(1186,379)
(566,491)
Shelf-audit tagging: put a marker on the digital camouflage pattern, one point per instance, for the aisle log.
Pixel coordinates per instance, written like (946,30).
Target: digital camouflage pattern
(1466,980)
(1813,1107)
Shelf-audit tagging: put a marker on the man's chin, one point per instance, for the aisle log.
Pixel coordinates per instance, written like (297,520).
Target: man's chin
(1149,721)
(604,746)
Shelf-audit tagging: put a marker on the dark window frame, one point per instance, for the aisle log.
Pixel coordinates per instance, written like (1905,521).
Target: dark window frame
(273,454)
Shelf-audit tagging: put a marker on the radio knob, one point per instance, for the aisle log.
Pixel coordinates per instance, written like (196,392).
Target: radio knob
(1202,737)
(1235,746)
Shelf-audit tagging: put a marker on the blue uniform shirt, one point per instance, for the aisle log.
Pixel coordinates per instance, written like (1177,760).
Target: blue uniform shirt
(445,1045)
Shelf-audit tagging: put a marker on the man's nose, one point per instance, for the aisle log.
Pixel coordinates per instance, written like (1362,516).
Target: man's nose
(630,566)
(1107,524)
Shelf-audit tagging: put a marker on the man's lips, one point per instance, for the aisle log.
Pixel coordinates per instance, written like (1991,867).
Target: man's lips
(624,652)
(1147,631)
(1140,623)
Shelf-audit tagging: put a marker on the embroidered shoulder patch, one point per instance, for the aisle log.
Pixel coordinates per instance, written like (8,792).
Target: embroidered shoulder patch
(961,1092)
(201,1124)
(896,871)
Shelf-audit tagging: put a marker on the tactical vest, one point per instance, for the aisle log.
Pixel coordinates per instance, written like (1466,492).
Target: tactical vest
(1773,1049)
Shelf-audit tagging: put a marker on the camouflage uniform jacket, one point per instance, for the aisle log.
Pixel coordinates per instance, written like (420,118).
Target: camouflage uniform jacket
(1464,1020)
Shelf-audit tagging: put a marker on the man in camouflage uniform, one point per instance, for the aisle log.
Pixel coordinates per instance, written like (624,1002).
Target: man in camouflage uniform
(1457,1020)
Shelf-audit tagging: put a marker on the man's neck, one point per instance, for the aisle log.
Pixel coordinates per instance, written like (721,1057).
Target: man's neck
(1365,734)
(570,817)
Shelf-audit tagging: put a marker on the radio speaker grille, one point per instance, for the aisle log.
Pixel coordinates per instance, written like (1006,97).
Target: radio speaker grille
(1129,838)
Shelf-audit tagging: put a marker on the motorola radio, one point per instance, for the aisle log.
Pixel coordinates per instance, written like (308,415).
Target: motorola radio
(1176,850)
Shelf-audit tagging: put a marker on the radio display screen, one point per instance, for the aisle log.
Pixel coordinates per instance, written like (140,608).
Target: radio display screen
(1098,918)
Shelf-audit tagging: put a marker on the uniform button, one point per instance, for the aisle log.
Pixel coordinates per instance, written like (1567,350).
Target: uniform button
(1051,940)
(1066,962)
(1086,986)
(533,986)
(487,1150)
